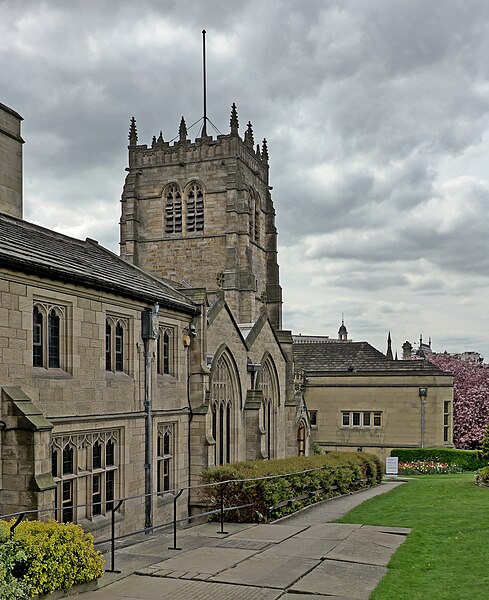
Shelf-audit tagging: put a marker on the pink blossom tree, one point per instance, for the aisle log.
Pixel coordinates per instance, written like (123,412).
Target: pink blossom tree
(471,398)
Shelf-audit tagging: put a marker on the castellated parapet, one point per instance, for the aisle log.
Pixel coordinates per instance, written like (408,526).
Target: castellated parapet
(201,214)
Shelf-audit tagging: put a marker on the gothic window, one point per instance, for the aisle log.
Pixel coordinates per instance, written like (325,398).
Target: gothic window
(85,469)
(164,457)
(47,335)
(195,208)
(165,348)
(173,210)
(223,406)
(267,382)
(116,345)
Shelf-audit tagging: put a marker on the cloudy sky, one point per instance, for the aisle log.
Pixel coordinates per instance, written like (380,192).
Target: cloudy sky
(376,114)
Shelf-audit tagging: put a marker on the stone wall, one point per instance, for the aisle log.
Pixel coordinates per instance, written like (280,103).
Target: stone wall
(10,162)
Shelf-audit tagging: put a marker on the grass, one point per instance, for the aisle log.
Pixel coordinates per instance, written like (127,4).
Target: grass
(446,555)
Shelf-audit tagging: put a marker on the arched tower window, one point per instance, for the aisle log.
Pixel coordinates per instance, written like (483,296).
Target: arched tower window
(257,219)
(267,382)
(195,208)
(173,210)
(115,345)
(223,405)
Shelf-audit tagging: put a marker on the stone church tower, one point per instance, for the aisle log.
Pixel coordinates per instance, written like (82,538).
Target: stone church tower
(201,214)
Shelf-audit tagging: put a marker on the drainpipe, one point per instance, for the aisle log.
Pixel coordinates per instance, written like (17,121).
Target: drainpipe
(150,331)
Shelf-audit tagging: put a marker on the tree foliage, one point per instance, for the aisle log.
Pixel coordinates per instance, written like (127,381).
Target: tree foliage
(470,398)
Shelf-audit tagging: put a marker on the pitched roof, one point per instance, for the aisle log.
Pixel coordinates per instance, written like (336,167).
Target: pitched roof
(352,357)
(31,248)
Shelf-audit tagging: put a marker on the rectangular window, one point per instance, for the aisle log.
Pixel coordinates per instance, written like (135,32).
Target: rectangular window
(446,422)
(313,418)
(67,501)
(96,495)
(366,419)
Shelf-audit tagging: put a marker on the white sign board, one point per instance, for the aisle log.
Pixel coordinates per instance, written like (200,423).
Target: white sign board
(392,465)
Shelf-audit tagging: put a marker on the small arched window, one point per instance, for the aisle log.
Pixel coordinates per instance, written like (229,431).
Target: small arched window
(46,336)
(195,208)
(173,210)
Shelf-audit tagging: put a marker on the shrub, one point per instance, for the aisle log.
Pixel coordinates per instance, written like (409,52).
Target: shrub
(336,472)
(12,557)
(482,477)
(51,556)
(467,460)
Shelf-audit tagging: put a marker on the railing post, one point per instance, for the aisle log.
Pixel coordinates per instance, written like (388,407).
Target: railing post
(112,537)
(19,519)
(222,510)
(175,498)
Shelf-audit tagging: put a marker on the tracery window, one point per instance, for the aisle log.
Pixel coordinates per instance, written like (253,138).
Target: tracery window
(164,457)
(116,344)
(173,210)
(48,326)
(85,469)
(222,405)
(254,208)
(195,208)
(267,382)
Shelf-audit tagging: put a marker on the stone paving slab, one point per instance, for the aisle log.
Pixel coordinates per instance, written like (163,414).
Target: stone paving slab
(274,572)
(303,547)
(205,560)
(367,547)
(268,533)
(328,531)
(156,588)
(212,530)
(385,529)
(342,579)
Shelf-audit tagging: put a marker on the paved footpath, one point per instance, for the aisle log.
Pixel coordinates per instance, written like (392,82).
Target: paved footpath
(301,557)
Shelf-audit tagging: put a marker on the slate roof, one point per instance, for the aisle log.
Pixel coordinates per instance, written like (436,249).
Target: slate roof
(353,357)
(34,249)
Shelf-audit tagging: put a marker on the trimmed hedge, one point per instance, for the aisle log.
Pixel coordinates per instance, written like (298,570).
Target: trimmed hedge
(336,472)
(465,459)
(48,556)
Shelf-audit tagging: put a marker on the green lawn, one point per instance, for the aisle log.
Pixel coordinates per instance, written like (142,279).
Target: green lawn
(446,556)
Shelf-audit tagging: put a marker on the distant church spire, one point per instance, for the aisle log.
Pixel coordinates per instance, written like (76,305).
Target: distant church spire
(388,354)
(133,133)
(342,331)
(182,131)
(248,137)
(233,122)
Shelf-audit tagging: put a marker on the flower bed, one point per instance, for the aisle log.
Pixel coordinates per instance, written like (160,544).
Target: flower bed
(427,467)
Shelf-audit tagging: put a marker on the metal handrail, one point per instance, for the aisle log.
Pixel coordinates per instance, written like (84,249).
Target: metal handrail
(176,493)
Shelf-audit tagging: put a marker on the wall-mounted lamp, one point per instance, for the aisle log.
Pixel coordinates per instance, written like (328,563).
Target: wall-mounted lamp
(423,392)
